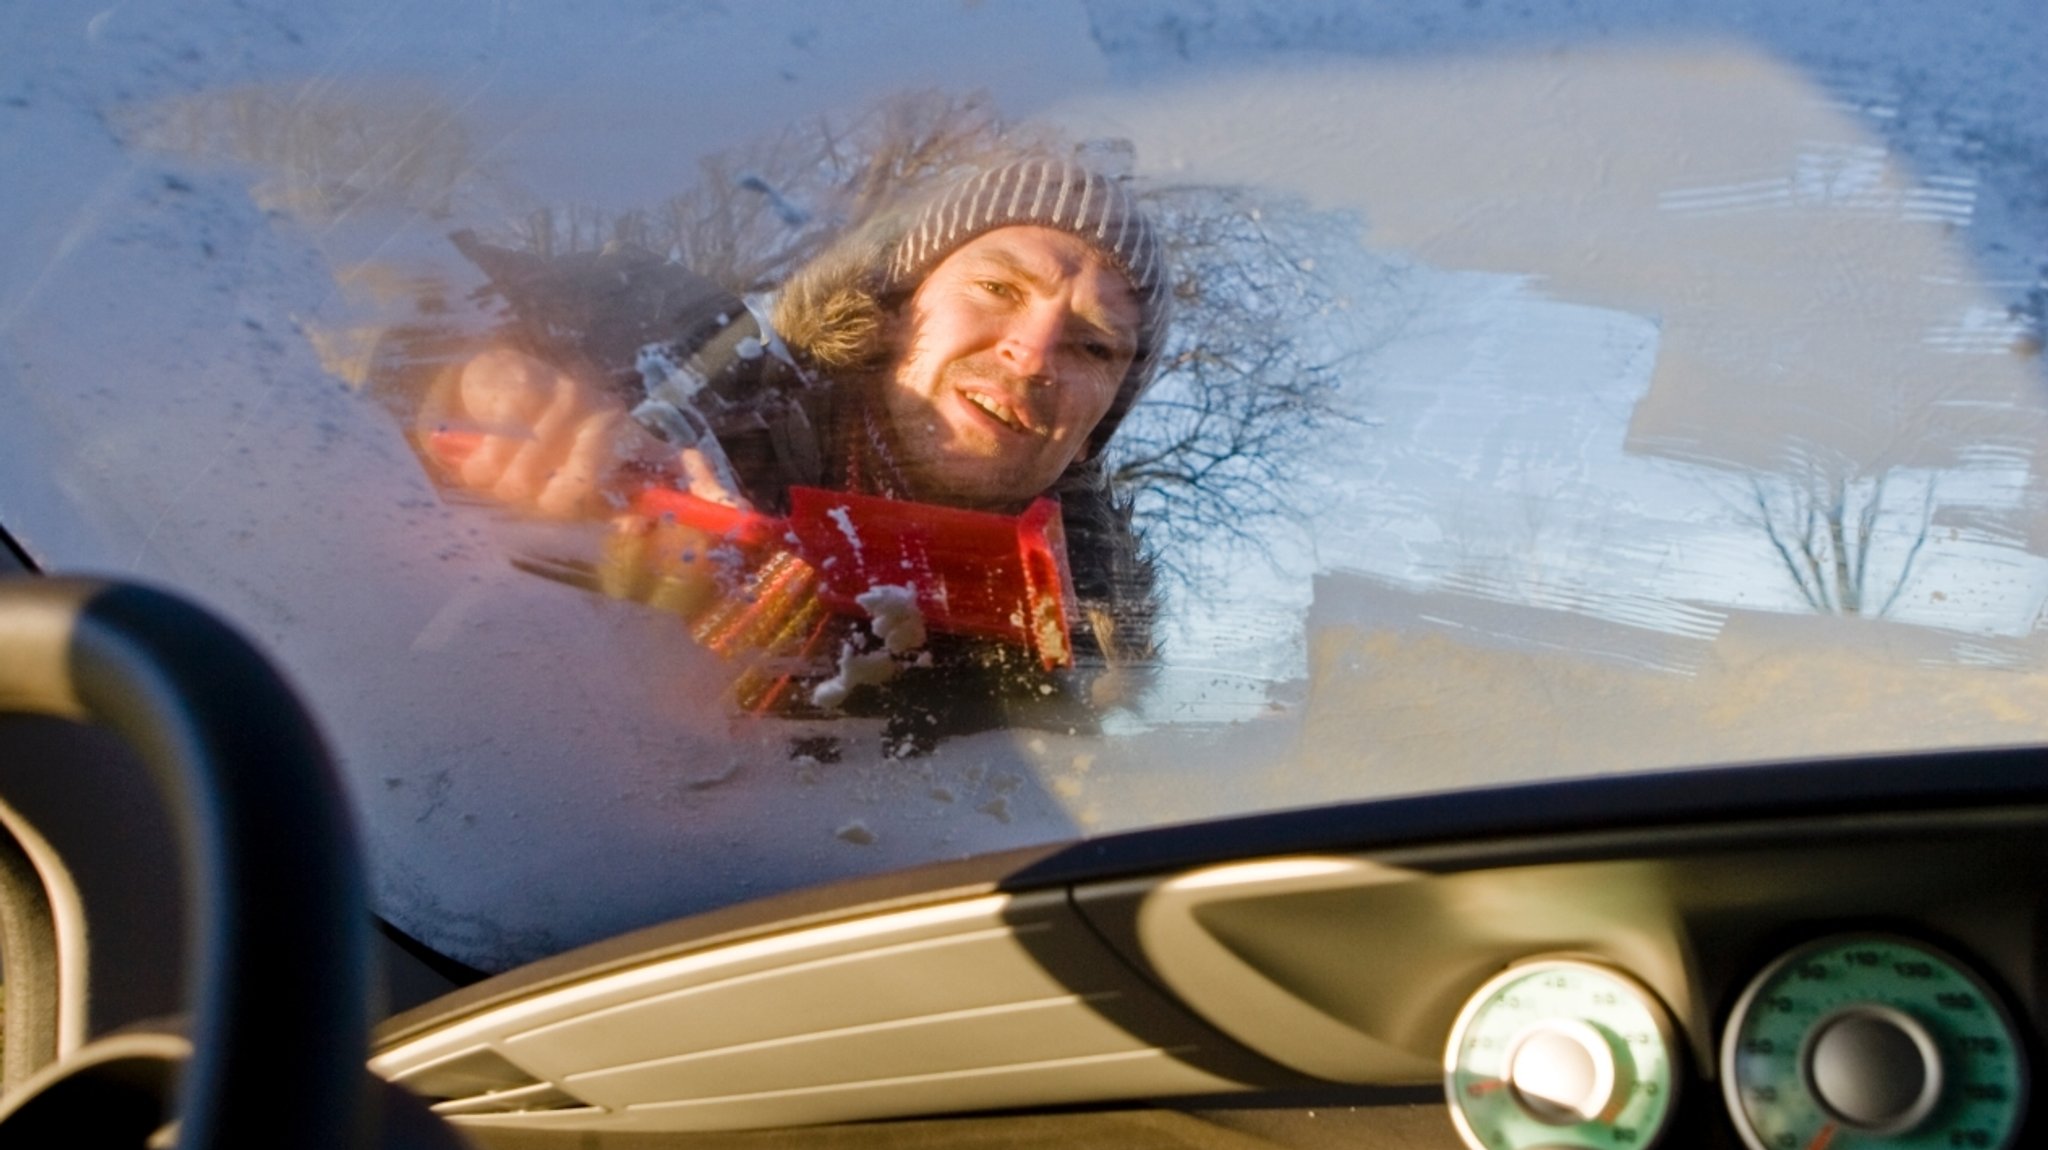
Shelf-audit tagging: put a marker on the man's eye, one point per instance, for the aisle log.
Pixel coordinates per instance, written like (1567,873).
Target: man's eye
(998,288)
(1099,351)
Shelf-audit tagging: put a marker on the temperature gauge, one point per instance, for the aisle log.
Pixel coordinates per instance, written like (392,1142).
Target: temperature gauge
(1559,1053)
(1872,1041)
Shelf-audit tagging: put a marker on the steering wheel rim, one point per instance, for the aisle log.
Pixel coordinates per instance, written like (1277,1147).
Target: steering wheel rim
(278,925)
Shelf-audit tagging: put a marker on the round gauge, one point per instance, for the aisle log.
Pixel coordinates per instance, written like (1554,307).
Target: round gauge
(1872,1041)
(1559,1053)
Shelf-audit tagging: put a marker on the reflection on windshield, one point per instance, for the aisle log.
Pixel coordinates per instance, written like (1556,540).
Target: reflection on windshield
(1508,400)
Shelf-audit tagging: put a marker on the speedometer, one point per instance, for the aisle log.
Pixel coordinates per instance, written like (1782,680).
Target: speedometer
(1866,1040)
(1561,1054)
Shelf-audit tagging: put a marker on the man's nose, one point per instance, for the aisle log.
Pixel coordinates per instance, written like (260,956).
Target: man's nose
(1031,341)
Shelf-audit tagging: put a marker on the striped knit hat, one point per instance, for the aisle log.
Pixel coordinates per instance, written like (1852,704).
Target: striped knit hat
(1052,192)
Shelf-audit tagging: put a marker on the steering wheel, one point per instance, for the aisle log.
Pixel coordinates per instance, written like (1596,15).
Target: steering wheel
(278,927)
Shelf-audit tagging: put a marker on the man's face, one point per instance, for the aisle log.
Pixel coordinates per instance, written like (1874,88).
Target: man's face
(1011,352)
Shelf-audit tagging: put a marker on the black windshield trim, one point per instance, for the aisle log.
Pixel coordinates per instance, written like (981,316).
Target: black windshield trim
(1720,796)
(13,557)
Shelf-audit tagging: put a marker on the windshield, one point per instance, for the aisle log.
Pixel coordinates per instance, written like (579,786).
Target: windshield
(686,452)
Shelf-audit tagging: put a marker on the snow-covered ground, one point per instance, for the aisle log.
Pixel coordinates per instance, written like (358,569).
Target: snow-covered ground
(1630,279)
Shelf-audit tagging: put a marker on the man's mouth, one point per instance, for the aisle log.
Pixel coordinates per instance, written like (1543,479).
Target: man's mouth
(999,409)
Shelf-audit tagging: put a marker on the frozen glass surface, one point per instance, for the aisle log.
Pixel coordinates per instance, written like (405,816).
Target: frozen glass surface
(1574,389)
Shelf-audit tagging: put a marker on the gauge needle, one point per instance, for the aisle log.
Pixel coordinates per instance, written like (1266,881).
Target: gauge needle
(1483,1087)
(1821,1140)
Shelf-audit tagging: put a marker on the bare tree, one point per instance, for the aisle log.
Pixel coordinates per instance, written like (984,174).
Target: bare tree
(1822,519)
(1245,384)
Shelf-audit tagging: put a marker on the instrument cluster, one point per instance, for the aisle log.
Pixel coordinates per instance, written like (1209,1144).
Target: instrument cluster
(1871,1040)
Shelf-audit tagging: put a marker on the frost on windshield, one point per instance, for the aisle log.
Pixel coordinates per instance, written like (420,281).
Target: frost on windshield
(1352,459)
(1540,393)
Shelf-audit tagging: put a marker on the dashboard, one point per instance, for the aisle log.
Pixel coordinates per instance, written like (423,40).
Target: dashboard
(1778,958)
(1817,984)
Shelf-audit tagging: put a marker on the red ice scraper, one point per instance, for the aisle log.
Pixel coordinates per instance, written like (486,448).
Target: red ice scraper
(1002,577)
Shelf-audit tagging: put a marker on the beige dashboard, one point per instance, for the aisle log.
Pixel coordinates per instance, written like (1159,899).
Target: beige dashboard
(1241,980)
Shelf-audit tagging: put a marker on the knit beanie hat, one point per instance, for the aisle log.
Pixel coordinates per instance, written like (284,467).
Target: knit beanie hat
(1053,192)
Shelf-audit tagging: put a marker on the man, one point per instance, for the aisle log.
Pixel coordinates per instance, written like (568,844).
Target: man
(976,347)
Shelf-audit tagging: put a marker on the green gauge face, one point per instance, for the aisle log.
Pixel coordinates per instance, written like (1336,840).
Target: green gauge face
(1560,1053)
(1872,1041)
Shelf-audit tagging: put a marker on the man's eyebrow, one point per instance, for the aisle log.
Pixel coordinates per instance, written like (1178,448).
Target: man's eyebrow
(1098,317)
(1010,262)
